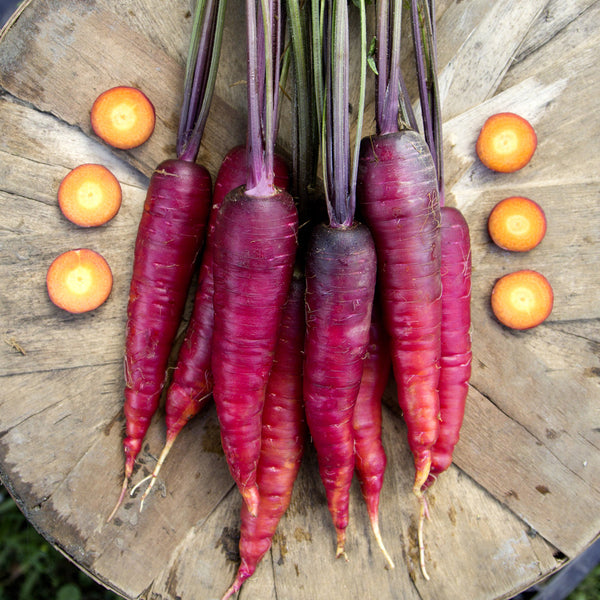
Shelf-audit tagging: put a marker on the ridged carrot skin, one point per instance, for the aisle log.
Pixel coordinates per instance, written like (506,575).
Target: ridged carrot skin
(192,383)
(282,439)
(456,355)
(340,285)
(370,454)
(170,236)
(254,253)
(397,195)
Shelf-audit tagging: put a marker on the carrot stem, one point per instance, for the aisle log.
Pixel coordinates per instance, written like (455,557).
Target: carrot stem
(200,76)
(424,36)
(339,173)
(264,22)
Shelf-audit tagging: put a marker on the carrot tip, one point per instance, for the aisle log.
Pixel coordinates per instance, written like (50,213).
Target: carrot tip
(379,540)
(120,500)
(340,551)
(423,514)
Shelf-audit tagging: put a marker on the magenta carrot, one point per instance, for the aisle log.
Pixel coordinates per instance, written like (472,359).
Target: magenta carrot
(455,259)
(169,238)
(455,361)
(254,253)
(399,199)
(340,285)
(456,337)
(397,191)
(191,386)
(370,455)
(282,439)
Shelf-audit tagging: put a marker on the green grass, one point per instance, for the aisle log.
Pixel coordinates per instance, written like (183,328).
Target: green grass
(31,569)
(589,588)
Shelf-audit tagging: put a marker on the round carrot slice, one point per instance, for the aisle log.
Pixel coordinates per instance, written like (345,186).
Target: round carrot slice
(123,117)
(522,299)
(89,195)
(517,224)
(506,142)
(79,280)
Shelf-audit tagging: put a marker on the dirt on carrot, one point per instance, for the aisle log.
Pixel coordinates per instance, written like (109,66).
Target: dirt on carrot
(89,195)
(123,117)
(522,300)
(506,142)
(79,280)
(517,224)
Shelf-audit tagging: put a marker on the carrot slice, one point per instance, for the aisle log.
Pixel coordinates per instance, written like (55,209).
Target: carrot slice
(522,299)
(89,195)
(506,142)
(79,280)
(123,117)
(517,224)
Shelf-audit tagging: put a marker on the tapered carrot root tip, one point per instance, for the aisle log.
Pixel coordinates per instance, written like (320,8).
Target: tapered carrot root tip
(120,500)
(340,551)
(251,498)
(235,587)
(423,514)
(421,477)
(379,540)
(161,459)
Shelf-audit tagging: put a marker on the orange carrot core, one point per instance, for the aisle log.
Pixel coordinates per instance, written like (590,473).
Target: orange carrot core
(123,117)
(506,142)
(79,280)
(517,224)
(522,299)
(89,195)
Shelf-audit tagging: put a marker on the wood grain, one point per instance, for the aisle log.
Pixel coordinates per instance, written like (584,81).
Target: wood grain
(524,492)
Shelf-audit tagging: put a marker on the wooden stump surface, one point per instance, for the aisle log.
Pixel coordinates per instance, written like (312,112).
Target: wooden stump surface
(524,494)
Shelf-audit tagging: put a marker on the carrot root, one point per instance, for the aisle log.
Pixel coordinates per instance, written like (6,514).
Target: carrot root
(161,459)
(120,500)
(423,514)
(340,551)
(379,540)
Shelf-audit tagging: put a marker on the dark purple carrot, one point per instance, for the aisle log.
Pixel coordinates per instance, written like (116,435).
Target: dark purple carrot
(254,252)
(191,387)
(340,284)
(169,238)
(282,439)
(370,455)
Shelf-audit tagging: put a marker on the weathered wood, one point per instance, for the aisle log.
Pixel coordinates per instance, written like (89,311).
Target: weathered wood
(528,464)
